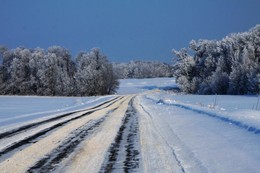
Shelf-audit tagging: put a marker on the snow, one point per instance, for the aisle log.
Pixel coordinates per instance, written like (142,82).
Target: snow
(178,133)
(235,109)
(134,86)
(232,109)
(92,152)
(201,143)
(25,158)
(19,109)
(205,133)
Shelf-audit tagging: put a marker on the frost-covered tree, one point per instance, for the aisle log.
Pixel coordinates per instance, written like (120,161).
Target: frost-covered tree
(143,69)
(18,80)
(3,49)
(185,71)
(95,75)
(228,66)
(38,72)
(59,71)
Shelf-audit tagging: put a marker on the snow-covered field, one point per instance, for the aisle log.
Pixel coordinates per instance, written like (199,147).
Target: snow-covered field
(152,130)
(133,86)
(19,109)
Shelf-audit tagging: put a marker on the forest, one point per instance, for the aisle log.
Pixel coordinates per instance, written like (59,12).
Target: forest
(52,72)
(227,66)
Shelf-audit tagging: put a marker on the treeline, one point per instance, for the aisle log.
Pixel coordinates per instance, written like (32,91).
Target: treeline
(52,72)
(142,69)
(228,66)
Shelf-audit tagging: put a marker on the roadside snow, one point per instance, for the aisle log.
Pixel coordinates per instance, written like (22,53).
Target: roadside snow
(200,143)
(20,109)
(236,110)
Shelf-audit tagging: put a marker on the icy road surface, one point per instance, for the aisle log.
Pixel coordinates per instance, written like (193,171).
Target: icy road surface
(148,132)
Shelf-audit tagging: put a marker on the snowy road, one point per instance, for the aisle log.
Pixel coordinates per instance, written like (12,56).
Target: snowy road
(131,133)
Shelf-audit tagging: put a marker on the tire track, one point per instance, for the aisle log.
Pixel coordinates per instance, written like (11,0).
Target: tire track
(34,125)
(68,146)
(8,151)
(123,154)
(172,149)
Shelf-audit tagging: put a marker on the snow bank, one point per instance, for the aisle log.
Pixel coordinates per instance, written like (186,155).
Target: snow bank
(237,110)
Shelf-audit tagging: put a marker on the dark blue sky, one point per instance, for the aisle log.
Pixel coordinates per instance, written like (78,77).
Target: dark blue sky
(123,29)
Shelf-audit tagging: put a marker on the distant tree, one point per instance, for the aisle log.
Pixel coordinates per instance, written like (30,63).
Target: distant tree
(143,69)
